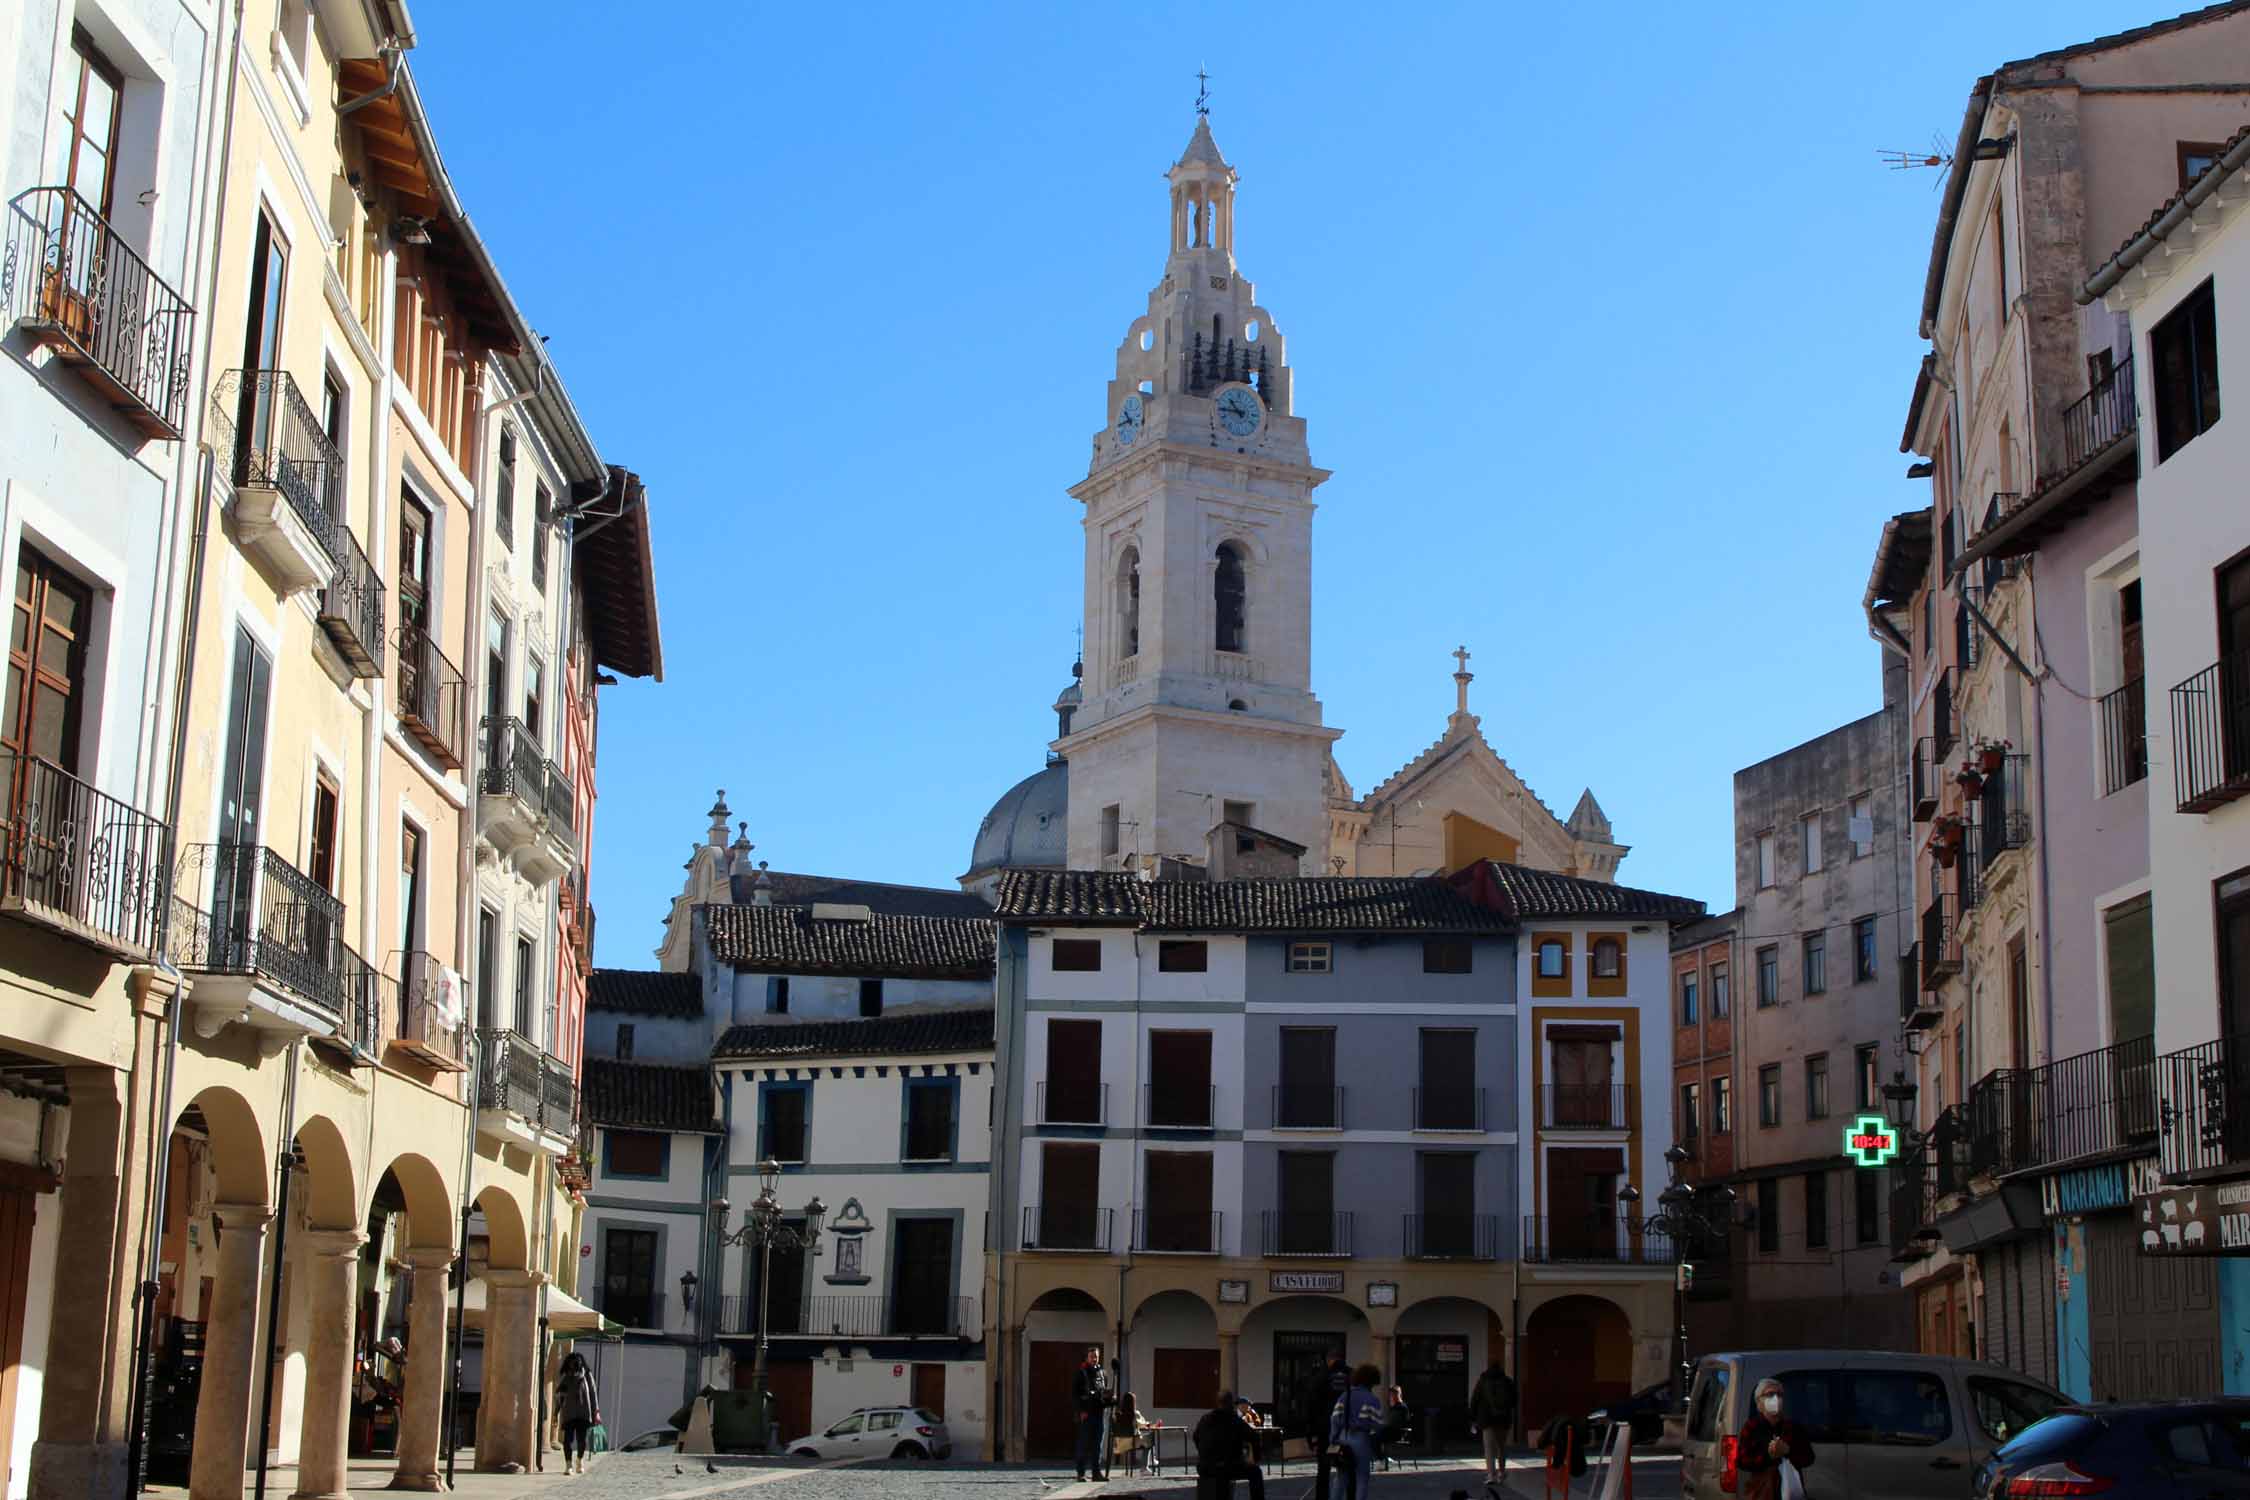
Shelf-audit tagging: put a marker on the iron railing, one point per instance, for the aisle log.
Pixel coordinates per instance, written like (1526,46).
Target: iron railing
(1941,940)
(1171,1108)
(431,696)
(2124,716)
(1944,731)
(2094,1104)
(1910,1196)
(1595,1238)
(513,766)
(1452,1236)
(516,1075)
(1927,777)
(1460,1109)
(69,278)
(634,1309)
(361,985)
(1968,638)
(421,1021)
(351,606)
(1950,1164)
(1066,1226)
(2203,1108)
(561,802)
(2005,806)
(2104,414)
(2211,735)
(1586,1106)
(273,441)
(79,860)
(1071,1103)
(2002,505)
(268,919)
(1180,1231)
(1284,1233)
(1914,1009)
(1968,866)
(1297,1107)
(856,1316)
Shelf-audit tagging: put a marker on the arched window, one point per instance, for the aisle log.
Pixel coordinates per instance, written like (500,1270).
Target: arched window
(1230,591)
(1129,602)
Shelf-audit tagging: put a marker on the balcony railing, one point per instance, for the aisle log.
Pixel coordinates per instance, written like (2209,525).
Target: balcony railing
(1910,1197)
(2101,416)
(361,984)
(273,441)
(79,860)
(72,282)
(857,1316)
(351,606)
(513,766)
(1941,940)
(1286,1234)
(2203,1108)
(2211,735)
(1950,1163)
(431,1019)
(2124,716)
(430,697)
(1916,1008)
(634,1309)
(1176,1231)
(1944,729)
(1071,1103)
(268,919)
(1968,867)
(1169,1108)
(1082,1228)
(1586,1106)
(2098,1103)
(517,1076)
(2004,817)
(1455,1109)
(1445,1236)
(1927,776)
(1999,508)
(1968,636)
(1594,1238)
(1296,1107)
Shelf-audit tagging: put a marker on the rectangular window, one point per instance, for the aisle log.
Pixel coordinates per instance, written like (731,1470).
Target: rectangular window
(1110,829)
(1306,1098)
(1861,829)
(1816,1210)
(1183,956)
(527,970)
(2185,349)
(496,672)
(2195,158)
(629,1277)
(1691,1111)
(635,1153)
(50,626)
(488,971)
(1816,963)
(1553,959)
(1178,1217)
(1310,958)
(1863,949)
(1866,1208)
(1960,1061)
(1448,1096)
(1244,813)
(413,563)
(1687,998)
(542,504)
(84,150)
(1816,1087)
(1809,839)
(1765,861)
(1769,1215)
(333,415)
(1179,1080)
(1073,1093)
(1078,955)
(777,994)
(1308,1203)
(1929,621)
(1769,1095)
(2130,961)
(534,698)
(504,491)
(1606,959)
(1722,999)
(1769,977)
(1867,1073)
(1449,1203)
(1722,1105)
(784,1111)
(929,1119)
(1446,956)
(409,888)
(1069,1216)
(922,1286)
(870,998)
(1187,1379)
(624,1041)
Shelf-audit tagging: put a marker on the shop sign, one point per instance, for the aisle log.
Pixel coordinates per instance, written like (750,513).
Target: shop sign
(2201,1219)
(1308,1281)
(1453,1351)
(2093,1190)
(1871,1140)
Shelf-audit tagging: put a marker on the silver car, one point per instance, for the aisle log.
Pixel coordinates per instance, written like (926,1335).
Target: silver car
(1902,1426)
(880,1432)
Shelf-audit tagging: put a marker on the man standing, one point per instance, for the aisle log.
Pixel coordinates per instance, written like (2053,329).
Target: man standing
(1090,1398)
(1492,1410)
(1315,1403)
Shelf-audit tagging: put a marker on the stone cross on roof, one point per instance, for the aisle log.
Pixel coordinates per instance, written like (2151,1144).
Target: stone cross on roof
(1462,677)
(1202,92)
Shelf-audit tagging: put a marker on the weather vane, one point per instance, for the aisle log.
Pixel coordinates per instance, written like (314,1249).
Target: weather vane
(1202,92)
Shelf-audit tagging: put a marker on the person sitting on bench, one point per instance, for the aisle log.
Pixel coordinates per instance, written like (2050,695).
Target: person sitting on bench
(1226,1450)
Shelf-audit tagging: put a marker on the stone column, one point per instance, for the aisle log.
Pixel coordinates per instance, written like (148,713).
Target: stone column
(506,1410)
(331,1267)
(1230,1367)
(526,1438)
(1379,1350)
(231,1366)
(421,1418)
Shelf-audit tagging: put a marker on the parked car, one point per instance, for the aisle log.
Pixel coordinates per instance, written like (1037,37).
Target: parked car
(1902,1426)
(1644,1409)
(655,1437)
(2157,1450)
(880,1432)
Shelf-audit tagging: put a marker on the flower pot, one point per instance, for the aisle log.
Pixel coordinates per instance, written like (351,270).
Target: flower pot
(1944,855)
(1991,758)
(1970,778)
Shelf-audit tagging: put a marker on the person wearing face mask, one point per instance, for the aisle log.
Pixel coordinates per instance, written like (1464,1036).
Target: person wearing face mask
(1768,1440)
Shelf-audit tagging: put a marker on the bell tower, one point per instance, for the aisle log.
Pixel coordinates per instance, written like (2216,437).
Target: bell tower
(1198,704)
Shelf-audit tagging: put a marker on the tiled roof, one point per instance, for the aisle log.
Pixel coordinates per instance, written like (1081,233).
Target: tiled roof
(957,1029)
(647,1096)
(1527,894)
(789,940)
(645,992)
(1320,903)
(788,889)
(2142,242)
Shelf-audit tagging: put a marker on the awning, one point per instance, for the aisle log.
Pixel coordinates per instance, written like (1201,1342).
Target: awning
(566,1315)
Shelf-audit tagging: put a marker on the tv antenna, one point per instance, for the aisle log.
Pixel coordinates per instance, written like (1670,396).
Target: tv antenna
(1901,160)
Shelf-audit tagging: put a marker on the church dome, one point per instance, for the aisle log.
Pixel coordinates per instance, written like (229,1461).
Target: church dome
(1026,829)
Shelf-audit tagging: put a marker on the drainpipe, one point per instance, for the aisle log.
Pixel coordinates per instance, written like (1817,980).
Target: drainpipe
(283,1161)
(395,67)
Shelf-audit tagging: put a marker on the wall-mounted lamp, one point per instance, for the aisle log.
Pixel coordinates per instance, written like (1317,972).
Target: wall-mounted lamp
(687,1291)
(410,231)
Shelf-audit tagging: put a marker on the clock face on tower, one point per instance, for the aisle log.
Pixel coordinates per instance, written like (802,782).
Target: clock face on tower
(1129,419)
(1241,410)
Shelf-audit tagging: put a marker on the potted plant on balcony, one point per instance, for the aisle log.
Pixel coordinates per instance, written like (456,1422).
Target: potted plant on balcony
(1992,755)
(1970,777)
(1945,839)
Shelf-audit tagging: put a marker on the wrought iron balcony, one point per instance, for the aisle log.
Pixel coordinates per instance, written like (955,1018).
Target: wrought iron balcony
(268,921)
(1298,1107)
(1080,1228)
(72,283)
(1927,778)
(431,697)
(1165,1231)
(2099,1103)
(1918,1009)
(287,476)
(1450,1236)
(1292,1234)
(1945,729)
(431,1017)
(1941,940)
(1586,1106)
(524,803)
(631,1307)
(1968,636)
(1995,569)
(1593,1238)
(79,861)
(1911,1200)
(516,1076)
(855,1316)
(2104,414)
(360,1027)
(2203,1109)
(351,606)
(2211,735)
(1968,867)
(1169,1108)
(2004,807)
(1449,1109)
(1072,1103)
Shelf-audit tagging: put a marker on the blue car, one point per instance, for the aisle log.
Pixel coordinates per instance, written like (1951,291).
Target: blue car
(2155,1450)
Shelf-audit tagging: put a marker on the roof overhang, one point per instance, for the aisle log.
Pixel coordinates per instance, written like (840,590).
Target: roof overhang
(1902,559)
(2220,181)
(616,578)
(1956,188)
(2056,506)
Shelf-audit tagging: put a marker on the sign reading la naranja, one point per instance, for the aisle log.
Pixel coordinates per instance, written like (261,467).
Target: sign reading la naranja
(2200,1219)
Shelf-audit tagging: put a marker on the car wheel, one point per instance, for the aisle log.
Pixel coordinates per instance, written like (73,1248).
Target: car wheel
(803,1453)
(909,1450)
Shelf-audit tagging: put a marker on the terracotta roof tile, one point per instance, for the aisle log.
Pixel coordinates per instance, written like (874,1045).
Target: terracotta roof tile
(1527,894)
(791,940)
(959,1029)
(648,1096)
(1321,903)
(645,992)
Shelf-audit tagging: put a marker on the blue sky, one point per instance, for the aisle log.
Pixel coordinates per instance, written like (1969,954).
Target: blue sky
(1603,317)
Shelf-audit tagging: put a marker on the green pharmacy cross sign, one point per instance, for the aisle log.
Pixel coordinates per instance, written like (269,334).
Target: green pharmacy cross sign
(1871,1140)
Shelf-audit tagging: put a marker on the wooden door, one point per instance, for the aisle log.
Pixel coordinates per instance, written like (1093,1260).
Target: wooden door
(1581,1202)
(922,1276)
(1179,1072)
(1074,1073)
(1069,1216)
(1179,1202)
(1582,1080)
(18,1208)
(1048,1425)
(929,1389)
(2234,666)
(1308,1078)
(49,620)
(789,1382)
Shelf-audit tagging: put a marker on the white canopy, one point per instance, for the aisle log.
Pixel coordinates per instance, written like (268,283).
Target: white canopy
(566,1315)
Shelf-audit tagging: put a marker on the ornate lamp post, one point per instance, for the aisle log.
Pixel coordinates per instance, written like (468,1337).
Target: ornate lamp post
(765,1225)
(1689,1218)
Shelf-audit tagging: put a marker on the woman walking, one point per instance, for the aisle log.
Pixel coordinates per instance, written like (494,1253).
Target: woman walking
(1772,1449)
(579,1408)
(1355,1427)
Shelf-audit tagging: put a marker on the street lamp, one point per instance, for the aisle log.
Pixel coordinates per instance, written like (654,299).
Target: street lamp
(764,1226)
(1688,1217)
(687,1291)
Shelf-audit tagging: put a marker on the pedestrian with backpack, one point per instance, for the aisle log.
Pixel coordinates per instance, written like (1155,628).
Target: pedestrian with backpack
(1355,1430)
(1492,1411)
(1316,1401)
